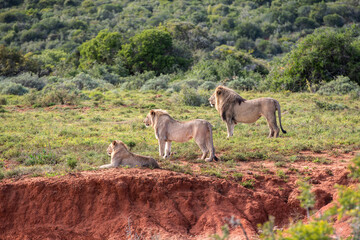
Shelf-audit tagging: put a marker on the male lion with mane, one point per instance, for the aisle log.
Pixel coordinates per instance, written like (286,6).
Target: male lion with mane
(120,155)
(168,129)
(234,109)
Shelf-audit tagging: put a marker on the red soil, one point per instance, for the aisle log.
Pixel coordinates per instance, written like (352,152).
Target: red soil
(117,203)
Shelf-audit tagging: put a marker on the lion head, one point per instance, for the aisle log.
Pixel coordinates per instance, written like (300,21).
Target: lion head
(224,99)
(150,118)
(116,146)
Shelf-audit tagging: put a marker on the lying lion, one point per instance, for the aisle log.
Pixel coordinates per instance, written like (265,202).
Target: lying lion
(120,155)
(167,130)
(234,109)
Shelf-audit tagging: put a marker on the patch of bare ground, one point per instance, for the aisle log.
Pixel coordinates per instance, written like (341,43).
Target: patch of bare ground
(119,203)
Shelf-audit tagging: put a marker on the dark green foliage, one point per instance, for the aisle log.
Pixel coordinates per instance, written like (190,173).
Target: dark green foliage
(334,20)
(249,30)
(12,16)
(151,50)
(330,106)
(101,49)
(183,34)
(304,23)
(12,62)
(72,163)
(319,57)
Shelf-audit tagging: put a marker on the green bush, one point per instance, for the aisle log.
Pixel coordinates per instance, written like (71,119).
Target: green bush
(101,49)
(191,97)
(136,81)
(319,57)
(207,85)
(334,20)
(72,163)
(83,81)
(305,23)
(29,80)
(243,83)
(340,86)
(53,94)
(157,83)
(12,88)
(151,50)
(330,106)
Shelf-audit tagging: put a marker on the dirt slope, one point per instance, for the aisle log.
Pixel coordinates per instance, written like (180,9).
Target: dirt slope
(116,203)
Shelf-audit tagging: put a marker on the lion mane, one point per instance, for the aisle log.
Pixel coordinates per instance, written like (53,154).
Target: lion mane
(225,103)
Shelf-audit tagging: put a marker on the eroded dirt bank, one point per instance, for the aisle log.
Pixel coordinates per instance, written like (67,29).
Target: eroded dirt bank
(108,204)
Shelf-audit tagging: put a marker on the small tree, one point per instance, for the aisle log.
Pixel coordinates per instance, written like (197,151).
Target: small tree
(307,199)
(151,50)
(101,49)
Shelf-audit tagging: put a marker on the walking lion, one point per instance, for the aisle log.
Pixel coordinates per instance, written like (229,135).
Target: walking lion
(168,129)
(234,109)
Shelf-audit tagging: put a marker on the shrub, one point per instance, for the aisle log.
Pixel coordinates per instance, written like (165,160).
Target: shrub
(136,81)
(101,49)
(319,57)
(305,23)
(83,81)
(3,101)
(330,106)
(243,83)
(57,93)
(157,83)
(29,80)
(12,88)
(191,97)
(340,86)
(151,50)
(333,20)
(72,163)
(208,85)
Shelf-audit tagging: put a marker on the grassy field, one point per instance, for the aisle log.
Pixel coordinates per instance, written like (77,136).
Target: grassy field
(55,140)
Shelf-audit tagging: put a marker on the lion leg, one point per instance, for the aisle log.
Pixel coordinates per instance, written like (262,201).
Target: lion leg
(203,147)
(274,129)
(107,166)
(230,128)
(167,149)
(161,148)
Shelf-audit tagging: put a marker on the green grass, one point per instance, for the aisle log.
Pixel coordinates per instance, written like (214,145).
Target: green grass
(49,137)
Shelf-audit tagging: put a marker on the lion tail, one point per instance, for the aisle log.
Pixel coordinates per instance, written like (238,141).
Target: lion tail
(279,113)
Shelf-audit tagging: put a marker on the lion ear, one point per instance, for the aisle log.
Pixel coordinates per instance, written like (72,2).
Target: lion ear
(152,112)
(218,92)
(114,143)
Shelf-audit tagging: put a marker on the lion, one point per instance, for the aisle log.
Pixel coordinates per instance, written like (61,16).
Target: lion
(120,155)
(234,109)
(168,129)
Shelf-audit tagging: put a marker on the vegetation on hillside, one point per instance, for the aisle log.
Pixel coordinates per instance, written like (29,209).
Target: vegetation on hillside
(197,43)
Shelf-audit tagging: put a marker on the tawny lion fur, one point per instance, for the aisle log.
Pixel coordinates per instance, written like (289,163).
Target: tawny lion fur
(234,109)
(168,129)
(120,155)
